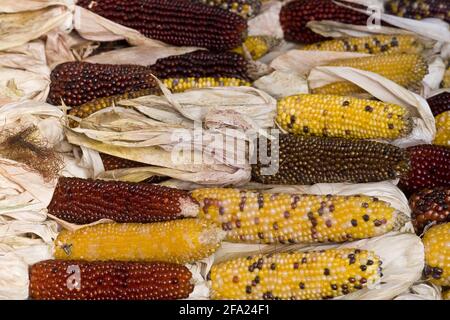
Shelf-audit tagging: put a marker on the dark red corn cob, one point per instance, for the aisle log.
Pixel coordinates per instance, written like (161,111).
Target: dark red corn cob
(83,201)
(439,103)
(296,14)
(76,83)
(80,280)
(177,22)
(114,163)
(419,9)
(202,63)
(430,168)
(428,206)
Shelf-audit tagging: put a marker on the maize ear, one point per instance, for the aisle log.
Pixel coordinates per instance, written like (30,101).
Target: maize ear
(76,83)
(296,276)
(407,70)
(202,64)
(437,254)
(81,280)
(182,84)
(257,46)
(83,201)
(439,103)
(295,15)
(177,241)
(176,22)
(372,44)
(245,8)
(442,137)
(337,116)
(446,293)
(419,9)
(310,160)
(430,206)
(446,79)
(430,168)
(253,217)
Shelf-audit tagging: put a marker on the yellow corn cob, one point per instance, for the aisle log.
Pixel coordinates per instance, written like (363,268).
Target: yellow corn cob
(446,80)
(178,241)
(443,129)
(437,254)
(183,84)
(254,217)
(372,44)
(338,116)
(295,276)
(446,294)
(257,46)
(407,70)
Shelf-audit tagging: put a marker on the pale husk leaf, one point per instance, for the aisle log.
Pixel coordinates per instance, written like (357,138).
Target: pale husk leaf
(421,291)
(281,84)
(11,6)
(267,22)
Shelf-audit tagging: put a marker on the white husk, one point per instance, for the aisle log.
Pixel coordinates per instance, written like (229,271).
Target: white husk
(436,71)
(402,255)
(267,22)
(385,90)
(24,74)
(281,84)
(10,6)
(421,291)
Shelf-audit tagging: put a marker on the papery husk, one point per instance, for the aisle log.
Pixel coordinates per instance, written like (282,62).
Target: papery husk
(11,6)
(436,71)
(402,255)
(24,74)
(421,291)
(282,84)
(21,27)
(141,55)
(424,128)
(267,22)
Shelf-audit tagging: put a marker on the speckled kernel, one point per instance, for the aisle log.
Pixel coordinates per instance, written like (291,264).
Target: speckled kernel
(437,254)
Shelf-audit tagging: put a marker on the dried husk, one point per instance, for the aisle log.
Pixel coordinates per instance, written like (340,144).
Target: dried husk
(421,291)
(282,83)
(267,22)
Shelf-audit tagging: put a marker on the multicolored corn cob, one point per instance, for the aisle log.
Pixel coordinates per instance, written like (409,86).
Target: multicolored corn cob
(177,241)
(430,206)
(296,276)
(407,70)
(83,201)
(338,116)
(430,168)
(177,22)
(245,8)
(437,254)
(81,280)
(201,64)
(269,218)
(76,83)
(439,103)
(372,44)
(258,46)
(419,9)
(182,84)
(88,108)
(310,160)
(442,137)
(296,14)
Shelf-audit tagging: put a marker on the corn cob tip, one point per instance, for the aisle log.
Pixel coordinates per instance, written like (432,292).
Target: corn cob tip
(188,207)
(400,220)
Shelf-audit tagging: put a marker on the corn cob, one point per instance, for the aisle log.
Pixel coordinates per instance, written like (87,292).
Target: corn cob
(257,46)
(253,217)
(245,8)
(84,201)
(446,293)
(76,83)
(430,168)
(407,70)
(176,241)
(183,84)
(81,280)
(372,44)
(296,14)
(446,79)
(430,206)
(177,22)
(88,108)
(437,254)
(296,276)
(202,63)
(442,137)
(419,9)
(337,116)
(439,103)
(310,160)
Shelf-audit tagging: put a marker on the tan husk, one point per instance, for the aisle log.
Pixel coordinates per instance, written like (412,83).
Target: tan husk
(421,291)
